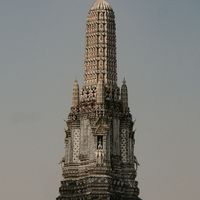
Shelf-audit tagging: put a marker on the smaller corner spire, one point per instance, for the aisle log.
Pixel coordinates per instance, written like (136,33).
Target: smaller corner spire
(75,98)
(124,81)
(124,96)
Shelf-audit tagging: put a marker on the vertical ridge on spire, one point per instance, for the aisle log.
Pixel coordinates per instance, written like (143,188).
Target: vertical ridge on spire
(100,90)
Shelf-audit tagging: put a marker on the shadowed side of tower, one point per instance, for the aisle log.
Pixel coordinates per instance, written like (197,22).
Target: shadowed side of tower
(99,161)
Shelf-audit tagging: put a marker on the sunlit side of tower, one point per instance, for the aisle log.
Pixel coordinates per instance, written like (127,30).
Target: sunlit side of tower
(99,161)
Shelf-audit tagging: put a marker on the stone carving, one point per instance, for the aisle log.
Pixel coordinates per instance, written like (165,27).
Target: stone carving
(124,145)
(103,29)
(76,145)
(99,162)
(88,94)
(99,155)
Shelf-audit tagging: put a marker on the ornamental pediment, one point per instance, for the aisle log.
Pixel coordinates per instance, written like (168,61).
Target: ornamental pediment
(101,127)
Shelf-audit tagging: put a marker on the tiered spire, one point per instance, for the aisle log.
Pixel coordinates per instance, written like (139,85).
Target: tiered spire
(124,96)
(100,55)
(75,98)
(99,161)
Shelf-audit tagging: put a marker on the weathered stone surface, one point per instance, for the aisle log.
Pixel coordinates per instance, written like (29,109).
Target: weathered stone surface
(99,161)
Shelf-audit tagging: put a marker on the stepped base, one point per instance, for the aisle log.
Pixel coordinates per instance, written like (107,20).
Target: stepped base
(97,188)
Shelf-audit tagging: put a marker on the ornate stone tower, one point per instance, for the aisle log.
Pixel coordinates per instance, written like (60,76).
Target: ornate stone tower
(99,161)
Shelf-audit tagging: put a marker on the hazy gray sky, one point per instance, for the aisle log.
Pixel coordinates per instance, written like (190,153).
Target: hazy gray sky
(41,53)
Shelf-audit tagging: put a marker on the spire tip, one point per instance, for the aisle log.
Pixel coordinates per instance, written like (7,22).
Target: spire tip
(124,81)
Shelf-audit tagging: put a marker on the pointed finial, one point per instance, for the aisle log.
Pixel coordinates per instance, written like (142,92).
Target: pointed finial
(124,81)
(124,96)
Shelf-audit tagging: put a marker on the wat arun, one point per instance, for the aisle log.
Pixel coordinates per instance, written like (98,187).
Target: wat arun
(99,161)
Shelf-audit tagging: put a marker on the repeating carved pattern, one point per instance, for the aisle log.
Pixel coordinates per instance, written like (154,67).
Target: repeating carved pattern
(100,53)
(88,93)
(76,145)
(124,146)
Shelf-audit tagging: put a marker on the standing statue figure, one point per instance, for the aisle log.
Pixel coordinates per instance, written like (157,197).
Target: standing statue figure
(99,155)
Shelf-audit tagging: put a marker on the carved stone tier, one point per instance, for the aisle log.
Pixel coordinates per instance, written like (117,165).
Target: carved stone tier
(100,53)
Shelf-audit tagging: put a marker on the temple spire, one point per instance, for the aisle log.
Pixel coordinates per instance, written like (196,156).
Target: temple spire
(124,96)
(124,81)
(75,98)
(100,53)
(99,160)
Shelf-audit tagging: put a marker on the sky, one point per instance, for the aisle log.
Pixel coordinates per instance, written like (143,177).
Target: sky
(41,53)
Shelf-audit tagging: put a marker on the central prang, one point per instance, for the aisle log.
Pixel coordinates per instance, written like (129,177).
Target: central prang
(99,161)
